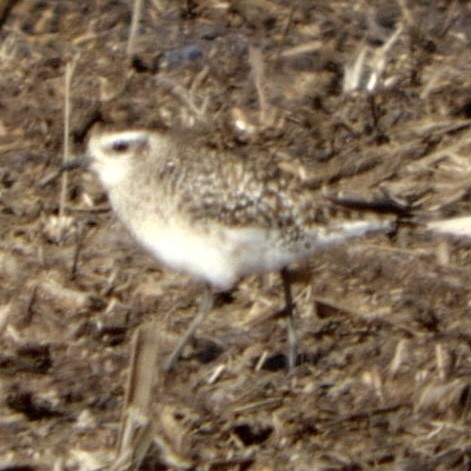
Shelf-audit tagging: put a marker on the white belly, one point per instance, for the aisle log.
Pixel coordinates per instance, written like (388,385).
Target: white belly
(219,257)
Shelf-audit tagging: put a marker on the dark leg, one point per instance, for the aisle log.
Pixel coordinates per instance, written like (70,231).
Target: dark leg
(206,304)
(289,313)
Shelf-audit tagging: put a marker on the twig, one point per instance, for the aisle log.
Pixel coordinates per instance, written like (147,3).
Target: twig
(257,66)
(285,33)
(69,72)
(134,28)
(136,431)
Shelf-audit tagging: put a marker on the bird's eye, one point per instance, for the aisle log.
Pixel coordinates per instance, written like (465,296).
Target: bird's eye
(120,146)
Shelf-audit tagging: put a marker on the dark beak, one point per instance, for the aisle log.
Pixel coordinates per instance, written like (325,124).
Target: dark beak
(81,161)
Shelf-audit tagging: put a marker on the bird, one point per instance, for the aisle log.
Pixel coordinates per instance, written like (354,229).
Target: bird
(219,216)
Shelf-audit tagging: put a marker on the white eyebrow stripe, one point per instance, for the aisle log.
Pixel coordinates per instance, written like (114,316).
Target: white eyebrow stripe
(126,136)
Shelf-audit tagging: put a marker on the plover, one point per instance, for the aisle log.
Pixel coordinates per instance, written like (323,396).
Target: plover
(216,215)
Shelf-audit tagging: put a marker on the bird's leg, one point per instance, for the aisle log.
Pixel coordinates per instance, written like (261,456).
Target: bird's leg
(206,304)
(289,313)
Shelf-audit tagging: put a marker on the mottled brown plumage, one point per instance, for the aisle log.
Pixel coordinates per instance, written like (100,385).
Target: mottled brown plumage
(159,184)
(215,215)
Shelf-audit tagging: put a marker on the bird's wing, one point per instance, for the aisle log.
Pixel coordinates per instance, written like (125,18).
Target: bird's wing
(238,192)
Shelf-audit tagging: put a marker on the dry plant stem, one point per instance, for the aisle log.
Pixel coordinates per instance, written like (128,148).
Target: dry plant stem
(136,16)
(5,8)
(136,430)
(406,13)
(256,63)
(69,72)
(284,35)
(206,304)
(78,250)
(289,313)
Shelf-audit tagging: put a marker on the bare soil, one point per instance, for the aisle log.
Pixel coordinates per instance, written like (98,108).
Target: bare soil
(383,374)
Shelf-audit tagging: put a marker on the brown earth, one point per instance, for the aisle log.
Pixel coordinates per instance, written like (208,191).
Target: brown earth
(383,377)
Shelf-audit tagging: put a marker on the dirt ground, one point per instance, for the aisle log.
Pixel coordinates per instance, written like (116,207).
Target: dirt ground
(365,96)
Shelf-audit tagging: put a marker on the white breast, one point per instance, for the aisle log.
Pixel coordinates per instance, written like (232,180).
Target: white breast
(220,256)
(190,251)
